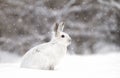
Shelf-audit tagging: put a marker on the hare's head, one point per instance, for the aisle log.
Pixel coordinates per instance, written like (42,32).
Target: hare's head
(59,36)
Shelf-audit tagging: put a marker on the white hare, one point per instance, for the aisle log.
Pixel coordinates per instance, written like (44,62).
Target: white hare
(46,56)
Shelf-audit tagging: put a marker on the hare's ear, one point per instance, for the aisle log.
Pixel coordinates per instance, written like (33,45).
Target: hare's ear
(61,26)
(56,27)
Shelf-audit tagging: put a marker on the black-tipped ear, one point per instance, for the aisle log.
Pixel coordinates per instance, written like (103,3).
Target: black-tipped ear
(56,26)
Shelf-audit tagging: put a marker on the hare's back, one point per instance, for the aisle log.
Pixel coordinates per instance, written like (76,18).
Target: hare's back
(40,48)
(36,53)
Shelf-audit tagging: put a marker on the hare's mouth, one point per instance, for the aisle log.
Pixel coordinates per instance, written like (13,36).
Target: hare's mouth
(69,41)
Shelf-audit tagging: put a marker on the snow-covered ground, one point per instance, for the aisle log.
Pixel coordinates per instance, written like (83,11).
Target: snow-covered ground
(86,66)
(6,57)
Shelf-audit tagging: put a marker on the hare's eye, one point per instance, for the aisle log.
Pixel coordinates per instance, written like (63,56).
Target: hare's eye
(62,36)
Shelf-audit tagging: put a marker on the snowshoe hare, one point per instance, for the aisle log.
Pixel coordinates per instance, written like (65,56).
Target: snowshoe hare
(47,55)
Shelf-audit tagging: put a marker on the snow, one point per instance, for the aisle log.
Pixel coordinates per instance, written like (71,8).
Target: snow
(72,66)
(6,57)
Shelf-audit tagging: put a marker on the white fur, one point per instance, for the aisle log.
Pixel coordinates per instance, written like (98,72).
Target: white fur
(46,56)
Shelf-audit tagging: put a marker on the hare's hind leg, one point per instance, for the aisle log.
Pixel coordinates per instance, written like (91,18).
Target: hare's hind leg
(51,67)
